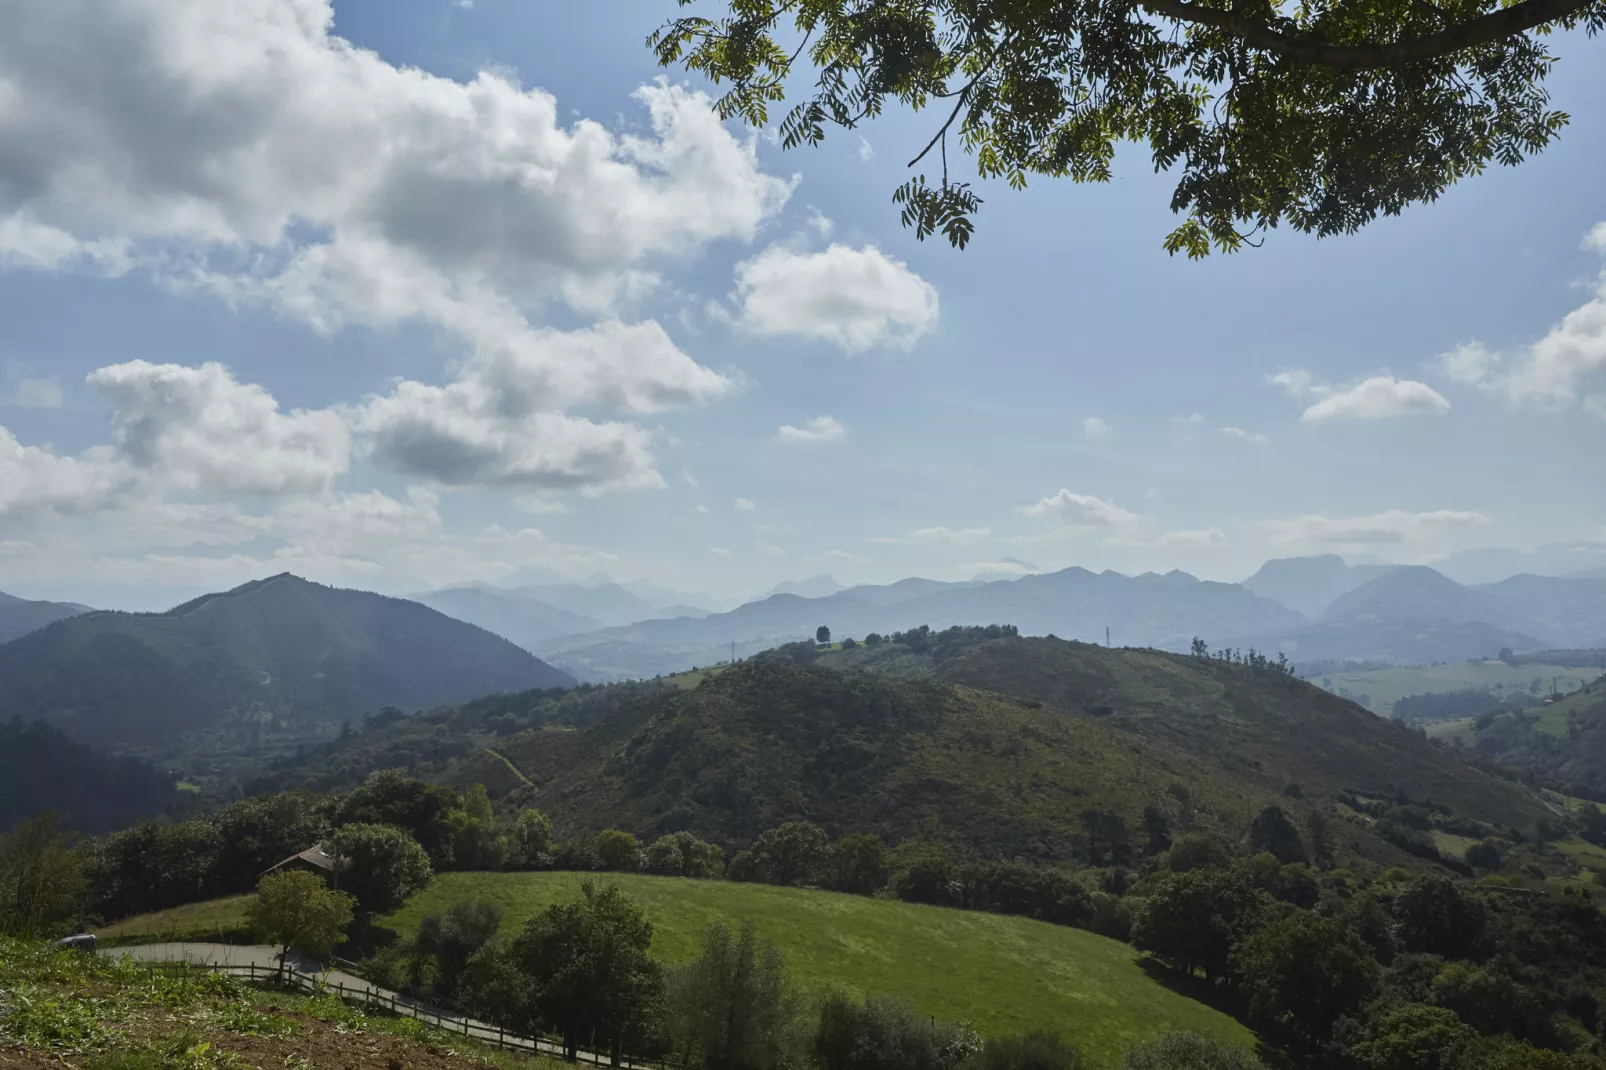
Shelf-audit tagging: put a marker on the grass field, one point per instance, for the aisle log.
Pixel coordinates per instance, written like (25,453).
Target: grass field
(1003,975)
(1584,854)
(1450,844)
(1385,687)
(213,920)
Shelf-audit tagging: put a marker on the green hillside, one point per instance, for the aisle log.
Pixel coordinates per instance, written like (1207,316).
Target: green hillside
(234,678)
(1262,730)
(1563,742)
(762,743)
(907,744)
(1002,974)
(41,770)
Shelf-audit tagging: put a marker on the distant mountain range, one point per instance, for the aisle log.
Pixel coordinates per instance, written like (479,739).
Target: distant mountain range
(19,616)
(1150,610)
(270,665)
(1310,584)
(1412,614)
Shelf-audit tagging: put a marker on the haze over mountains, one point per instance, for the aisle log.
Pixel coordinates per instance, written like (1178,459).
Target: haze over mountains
(273,663)
(1312,608)
(19,616)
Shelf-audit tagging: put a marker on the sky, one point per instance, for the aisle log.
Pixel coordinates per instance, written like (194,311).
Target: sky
(397,294)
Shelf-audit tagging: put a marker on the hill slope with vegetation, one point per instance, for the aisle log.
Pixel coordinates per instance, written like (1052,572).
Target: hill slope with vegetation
(43,770)
(988,747)
(253,671)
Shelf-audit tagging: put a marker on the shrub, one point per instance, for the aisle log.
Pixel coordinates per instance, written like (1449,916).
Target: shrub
(1033,1051)
(1185,1050)
(884,1034)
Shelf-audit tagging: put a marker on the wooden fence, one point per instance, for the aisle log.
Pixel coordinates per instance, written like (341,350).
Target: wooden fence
(372,998)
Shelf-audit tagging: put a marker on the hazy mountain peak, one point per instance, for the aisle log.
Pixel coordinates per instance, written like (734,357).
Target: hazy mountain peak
(814,587)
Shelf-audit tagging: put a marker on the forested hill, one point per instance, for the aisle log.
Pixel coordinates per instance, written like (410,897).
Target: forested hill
(42,770)
(274,663)
(994,746)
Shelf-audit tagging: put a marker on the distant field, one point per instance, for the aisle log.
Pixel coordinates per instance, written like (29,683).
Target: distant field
(1003,975)
(1458,730)
(1384,687)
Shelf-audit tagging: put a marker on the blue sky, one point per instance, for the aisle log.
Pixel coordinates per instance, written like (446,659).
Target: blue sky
(474,304)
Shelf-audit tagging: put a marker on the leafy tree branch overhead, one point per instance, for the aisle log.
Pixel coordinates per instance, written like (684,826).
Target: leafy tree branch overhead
(1321,114)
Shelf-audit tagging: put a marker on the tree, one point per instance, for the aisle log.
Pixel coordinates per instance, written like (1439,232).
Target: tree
(734,1007)
(532,836)
(1273,832)
(1156,830)
(822,634)
(1184,1050)
(453,938)
(476,843)
(1416,1037)
(1197,851)
(618,850)
(857,864)
(794,853)
(1302,973)
(42,886)
(589,970)
(296,910)
(1323,117)
(873,639)
(1194,919)
(1319,827)
(423,811)
(680,854)
(1104,833)
(380,865)
(1433,917)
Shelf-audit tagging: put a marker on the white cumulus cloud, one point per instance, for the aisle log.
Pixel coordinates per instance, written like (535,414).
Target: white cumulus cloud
(852,298)
(1245,436)
(1558,370)
(1094,427)
(1080,511)
(1381,397)
(246,151)
(819,429)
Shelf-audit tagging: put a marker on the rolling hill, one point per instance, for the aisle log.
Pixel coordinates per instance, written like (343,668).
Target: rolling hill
(993,748)
(19,616)
(268,666)
(1165,611)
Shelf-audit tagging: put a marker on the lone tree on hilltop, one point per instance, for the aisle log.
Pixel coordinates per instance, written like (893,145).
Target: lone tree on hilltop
(1324,114)
(822,634)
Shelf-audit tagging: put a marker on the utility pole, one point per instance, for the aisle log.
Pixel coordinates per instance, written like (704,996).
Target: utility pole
(1106,636)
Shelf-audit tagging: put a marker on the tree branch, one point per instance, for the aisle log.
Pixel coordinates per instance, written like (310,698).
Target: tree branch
(1506,22)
